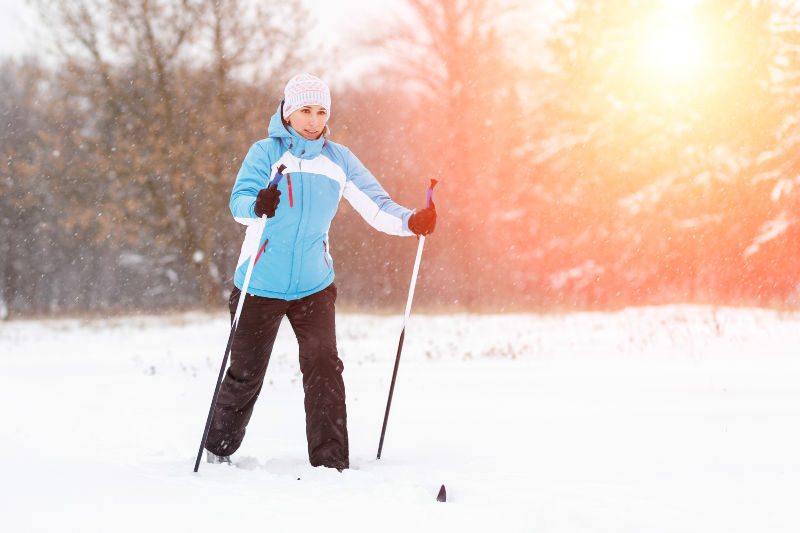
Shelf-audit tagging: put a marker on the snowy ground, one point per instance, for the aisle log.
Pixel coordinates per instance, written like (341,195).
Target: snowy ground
(671,419)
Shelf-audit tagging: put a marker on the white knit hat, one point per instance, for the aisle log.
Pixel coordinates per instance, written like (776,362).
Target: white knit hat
(303,90)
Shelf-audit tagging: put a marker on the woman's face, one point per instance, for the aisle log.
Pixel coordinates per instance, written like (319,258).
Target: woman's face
(309,121)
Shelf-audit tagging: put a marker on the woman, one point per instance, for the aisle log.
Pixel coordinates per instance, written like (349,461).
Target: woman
(293,273)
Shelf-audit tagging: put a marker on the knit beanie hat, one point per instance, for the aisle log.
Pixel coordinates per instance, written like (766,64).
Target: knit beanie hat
(303,90)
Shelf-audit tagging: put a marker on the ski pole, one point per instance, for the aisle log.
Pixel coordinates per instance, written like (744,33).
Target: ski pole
(405,321)
(262,223)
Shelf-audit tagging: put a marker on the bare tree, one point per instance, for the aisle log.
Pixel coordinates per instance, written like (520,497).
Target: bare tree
(178,89)
(452,58)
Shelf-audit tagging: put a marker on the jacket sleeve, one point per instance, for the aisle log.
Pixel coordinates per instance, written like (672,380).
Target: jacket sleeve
(371,201)
(253,176)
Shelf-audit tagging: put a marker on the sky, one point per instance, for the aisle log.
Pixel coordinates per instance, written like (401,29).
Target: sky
(336,20)
(18,21)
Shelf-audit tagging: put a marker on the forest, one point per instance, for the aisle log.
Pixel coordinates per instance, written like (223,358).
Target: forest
(638,153)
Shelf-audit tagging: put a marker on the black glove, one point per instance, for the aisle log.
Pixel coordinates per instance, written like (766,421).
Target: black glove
(424,221)
(267,202)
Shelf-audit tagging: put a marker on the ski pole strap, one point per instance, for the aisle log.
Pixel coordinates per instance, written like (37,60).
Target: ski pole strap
(430,193)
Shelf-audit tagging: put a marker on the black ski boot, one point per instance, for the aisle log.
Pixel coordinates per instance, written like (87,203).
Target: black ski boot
(217,459)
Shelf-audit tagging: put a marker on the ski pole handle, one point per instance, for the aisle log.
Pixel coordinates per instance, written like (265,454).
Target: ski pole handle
(273,184)
(430,192)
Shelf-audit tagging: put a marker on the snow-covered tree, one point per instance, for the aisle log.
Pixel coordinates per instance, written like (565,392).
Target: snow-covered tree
(663,109)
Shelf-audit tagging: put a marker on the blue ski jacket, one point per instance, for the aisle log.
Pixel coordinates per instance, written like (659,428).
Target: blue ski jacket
(293,257)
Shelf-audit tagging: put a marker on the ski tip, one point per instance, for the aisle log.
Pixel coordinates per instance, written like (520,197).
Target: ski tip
(442,496)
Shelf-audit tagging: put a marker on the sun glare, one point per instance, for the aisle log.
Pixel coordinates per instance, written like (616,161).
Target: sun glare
(674,49)
(679,6)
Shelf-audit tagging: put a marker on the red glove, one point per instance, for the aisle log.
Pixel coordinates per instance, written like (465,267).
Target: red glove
(423,222)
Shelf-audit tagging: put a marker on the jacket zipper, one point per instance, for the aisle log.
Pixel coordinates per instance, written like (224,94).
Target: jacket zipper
(289,183)
(292,284)
(260,251)
(325,253)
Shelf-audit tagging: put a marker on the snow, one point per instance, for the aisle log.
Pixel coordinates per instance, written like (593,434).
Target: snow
(661,419)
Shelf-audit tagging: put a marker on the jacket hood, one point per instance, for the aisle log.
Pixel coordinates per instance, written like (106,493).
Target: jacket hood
(299,146)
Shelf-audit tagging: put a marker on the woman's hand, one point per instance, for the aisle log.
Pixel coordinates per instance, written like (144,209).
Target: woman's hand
(267,202)
(423,222)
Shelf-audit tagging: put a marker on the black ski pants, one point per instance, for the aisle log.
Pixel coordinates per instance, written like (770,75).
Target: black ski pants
(313,320)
